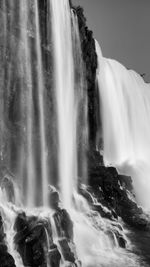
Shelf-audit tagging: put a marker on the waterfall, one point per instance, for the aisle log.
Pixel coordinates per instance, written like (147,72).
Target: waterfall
(24,105)
(80,88)
(40,85)
(65,98)
(23,100)
(26,66)
(125,109)
(44,127)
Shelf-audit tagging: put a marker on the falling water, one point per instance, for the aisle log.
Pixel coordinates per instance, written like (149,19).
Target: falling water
(125,109)
(31,80)
(40,85)
(81,100)
(23,39)
(1,87)
(26,66)
(65,97)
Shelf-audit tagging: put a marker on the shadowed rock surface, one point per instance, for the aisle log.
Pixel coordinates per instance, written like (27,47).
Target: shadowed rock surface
(6,260)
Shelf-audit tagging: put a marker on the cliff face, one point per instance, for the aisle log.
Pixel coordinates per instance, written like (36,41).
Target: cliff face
(114,195)
(90,62)
(113,192)
(14,85)
(111,189)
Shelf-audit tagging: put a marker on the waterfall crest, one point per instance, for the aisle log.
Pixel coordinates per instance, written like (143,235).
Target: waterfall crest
(125,109)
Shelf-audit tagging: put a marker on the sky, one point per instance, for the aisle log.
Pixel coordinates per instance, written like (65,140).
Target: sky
(122,28)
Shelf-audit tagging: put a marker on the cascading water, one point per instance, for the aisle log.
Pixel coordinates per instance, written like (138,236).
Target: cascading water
(26,66)
(80,88)
(35,114)
(125,108)
(40,86)
(23,73)
(65,97)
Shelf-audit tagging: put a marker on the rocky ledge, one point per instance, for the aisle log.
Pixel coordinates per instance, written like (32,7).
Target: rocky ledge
(41,239)
(115,192)
(6,260)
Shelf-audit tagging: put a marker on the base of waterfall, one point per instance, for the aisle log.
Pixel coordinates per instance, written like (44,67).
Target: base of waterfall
(101,229)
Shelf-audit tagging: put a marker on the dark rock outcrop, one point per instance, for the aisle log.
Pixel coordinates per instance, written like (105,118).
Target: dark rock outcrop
(64,227)
(34,241)
(115,192)
(6,260)
(90,63)
(34,237)
(30,240)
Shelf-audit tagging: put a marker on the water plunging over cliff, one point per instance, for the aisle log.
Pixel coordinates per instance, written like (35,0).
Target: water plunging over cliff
(65,98)
(125,109)
(44,140)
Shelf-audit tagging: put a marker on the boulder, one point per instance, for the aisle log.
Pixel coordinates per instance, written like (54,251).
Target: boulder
(54,256)
(31,240)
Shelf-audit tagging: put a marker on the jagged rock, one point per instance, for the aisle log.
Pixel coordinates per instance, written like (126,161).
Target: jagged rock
(2,234)
(6,260)
(115,192)
(90,61)
(7,186)
(34,237)
(106,214)
(61,217)
(54,256)
(66,250)
(30,240)
(121,241)
(64,226)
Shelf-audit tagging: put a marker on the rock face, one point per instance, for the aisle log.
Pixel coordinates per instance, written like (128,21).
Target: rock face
(34,239)
(115,192)
(111,189)
(90,63)
(6,260)
(30,240)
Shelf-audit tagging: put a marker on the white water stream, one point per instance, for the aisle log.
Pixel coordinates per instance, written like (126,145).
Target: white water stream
(125,113)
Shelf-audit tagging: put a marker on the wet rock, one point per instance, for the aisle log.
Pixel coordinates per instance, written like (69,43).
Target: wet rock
(111,236)
(54,200)
(66,250)
(90,63)
(2,234)
(6,260)
(54,256)
(31,240)
(22,231)
(120,239)
(103,212)
(7,187)
(63,224)
(34,241)
(116,193)
(122,242)
(64,228)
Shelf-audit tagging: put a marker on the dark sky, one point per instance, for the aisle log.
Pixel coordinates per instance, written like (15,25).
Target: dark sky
(122,27)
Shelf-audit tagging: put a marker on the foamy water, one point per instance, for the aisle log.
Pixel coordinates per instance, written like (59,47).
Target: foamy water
(125,109)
